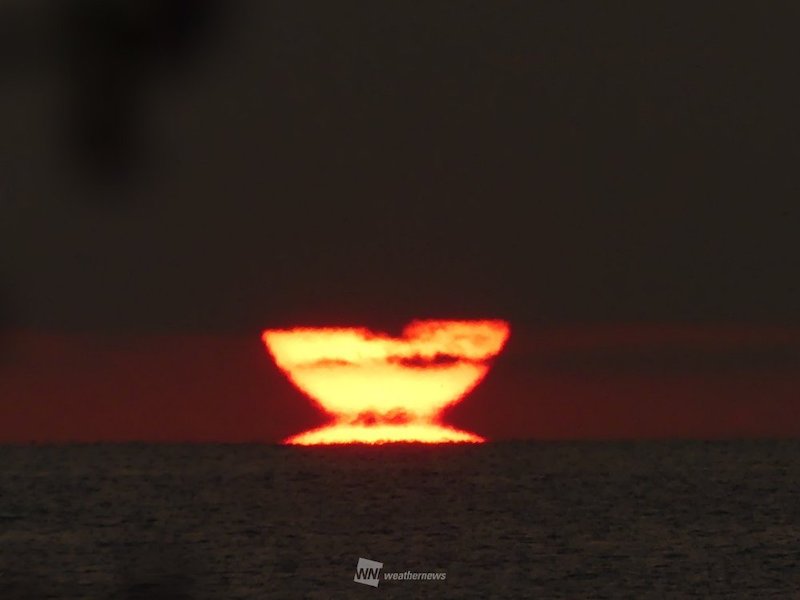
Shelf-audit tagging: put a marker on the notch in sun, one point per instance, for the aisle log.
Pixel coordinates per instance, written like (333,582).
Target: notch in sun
(381,389)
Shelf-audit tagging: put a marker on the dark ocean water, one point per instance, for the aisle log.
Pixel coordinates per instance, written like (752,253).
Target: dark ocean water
(540,520)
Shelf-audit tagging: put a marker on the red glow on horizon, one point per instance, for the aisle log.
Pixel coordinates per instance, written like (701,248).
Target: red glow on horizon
(381,389)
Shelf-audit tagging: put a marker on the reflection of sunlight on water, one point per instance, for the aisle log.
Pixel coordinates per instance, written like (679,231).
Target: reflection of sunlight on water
(366,380)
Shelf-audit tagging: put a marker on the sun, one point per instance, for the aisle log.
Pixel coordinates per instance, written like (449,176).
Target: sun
(382,389)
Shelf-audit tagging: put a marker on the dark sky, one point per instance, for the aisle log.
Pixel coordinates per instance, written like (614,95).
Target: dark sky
(245,164)
(177,168)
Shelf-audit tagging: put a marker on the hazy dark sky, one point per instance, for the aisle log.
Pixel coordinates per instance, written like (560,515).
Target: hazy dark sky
(267,163)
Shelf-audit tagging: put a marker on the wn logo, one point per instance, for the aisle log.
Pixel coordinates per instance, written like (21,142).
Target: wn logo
(368,572)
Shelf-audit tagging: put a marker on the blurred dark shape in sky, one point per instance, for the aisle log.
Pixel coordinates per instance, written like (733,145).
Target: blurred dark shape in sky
(540,162)
(111,49)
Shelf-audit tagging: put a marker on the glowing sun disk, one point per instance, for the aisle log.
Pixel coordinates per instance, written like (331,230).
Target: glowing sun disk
(380,388)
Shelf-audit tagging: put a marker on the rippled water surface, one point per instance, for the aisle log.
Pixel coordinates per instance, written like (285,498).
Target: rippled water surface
(542,520)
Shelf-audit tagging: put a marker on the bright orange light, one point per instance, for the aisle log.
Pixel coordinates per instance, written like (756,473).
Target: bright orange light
(381,389)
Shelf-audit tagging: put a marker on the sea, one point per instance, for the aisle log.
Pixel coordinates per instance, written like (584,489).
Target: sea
(572,520)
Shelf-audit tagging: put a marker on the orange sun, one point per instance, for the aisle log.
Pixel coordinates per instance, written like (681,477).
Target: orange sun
(381,389)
